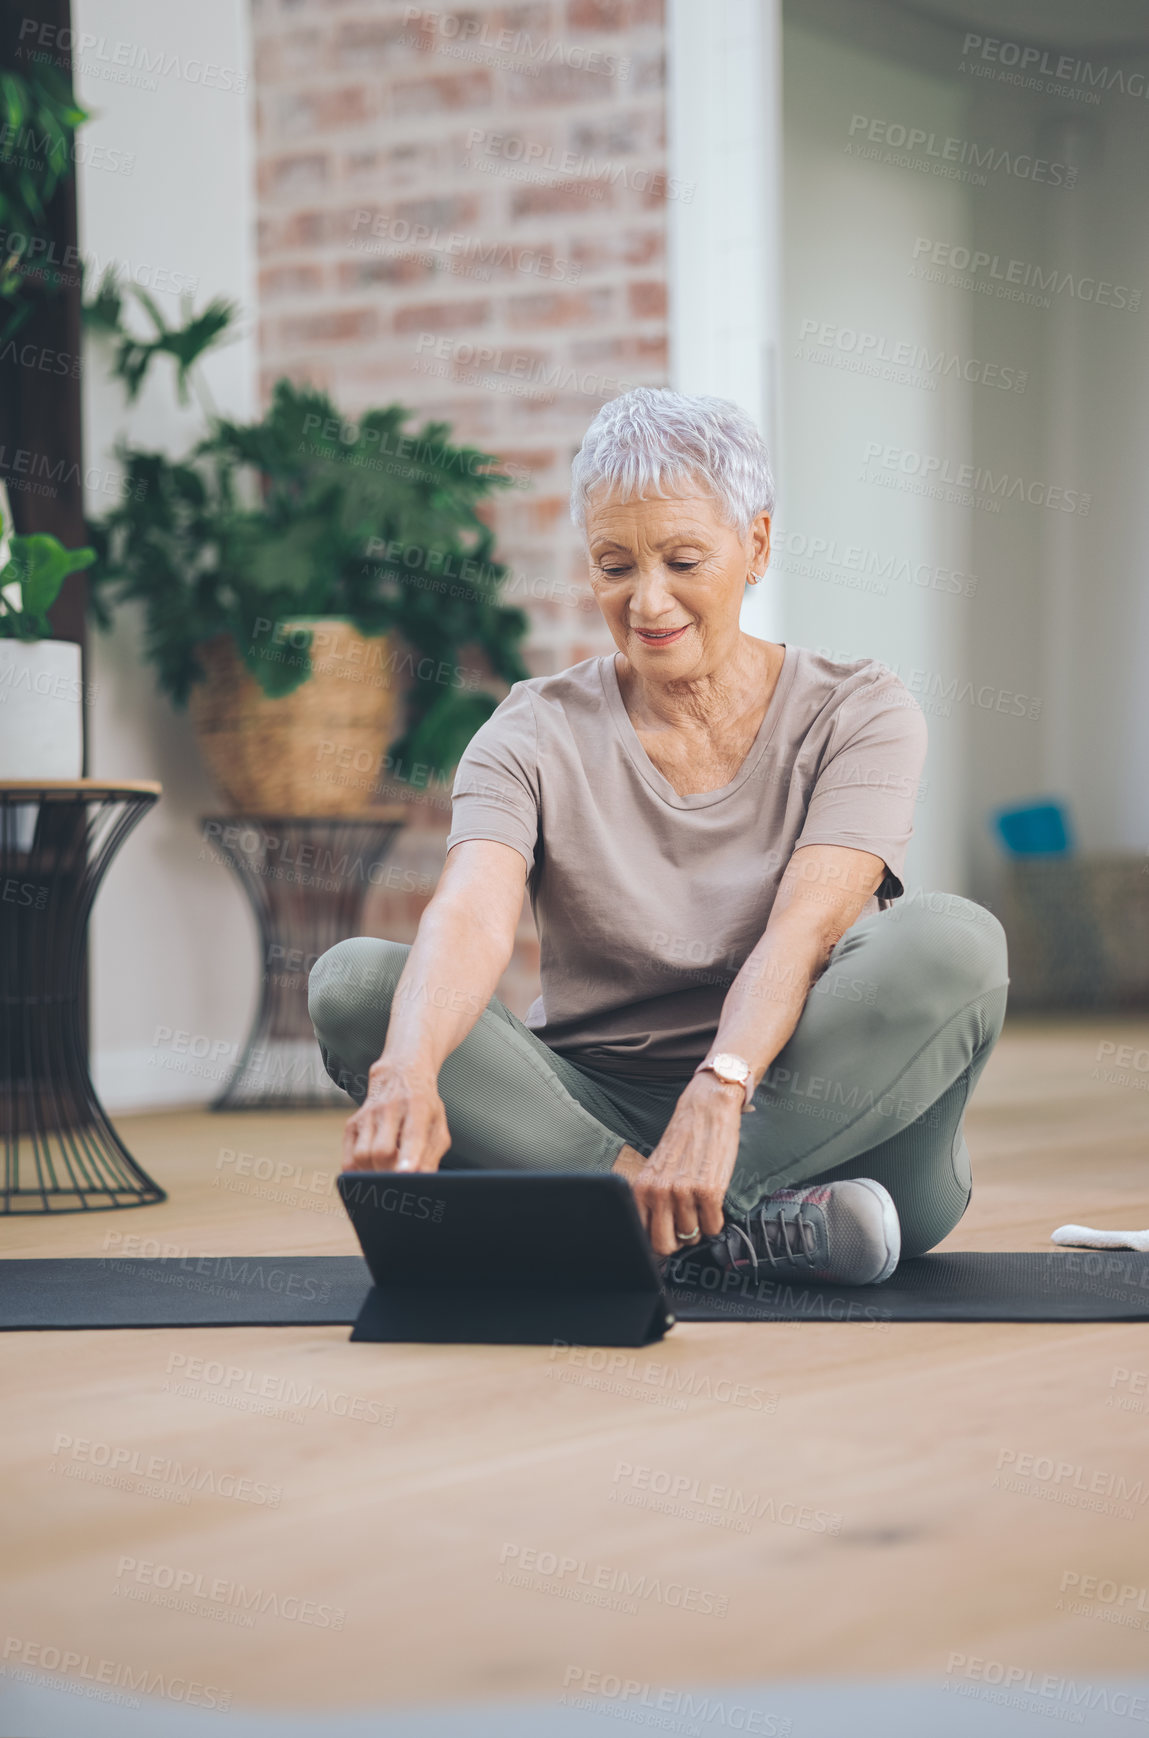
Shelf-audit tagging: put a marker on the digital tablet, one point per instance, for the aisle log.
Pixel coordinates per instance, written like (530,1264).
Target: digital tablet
(509,1257)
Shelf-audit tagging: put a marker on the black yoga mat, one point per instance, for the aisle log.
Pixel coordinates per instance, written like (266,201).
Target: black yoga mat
(323,1290)
(192,1291)
(1064,1285)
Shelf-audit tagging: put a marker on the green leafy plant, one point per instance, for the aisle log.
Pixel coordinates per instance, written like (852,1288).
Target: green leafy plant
(300,515)
(30,580)
(184,344)
(38,121)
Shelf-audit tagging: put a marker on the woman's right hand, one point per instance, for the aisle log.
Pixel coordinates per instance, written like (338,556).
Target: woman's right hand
(401,1124)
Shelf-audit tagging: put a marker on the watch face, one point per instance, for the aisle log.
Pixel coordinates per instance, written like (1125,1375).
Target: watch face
(731,1068)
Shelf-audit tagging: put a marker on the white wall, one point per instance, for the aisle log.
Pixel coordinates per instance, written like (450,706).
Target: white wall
(724,146)
(1069,600)
(1059,621)
(849,229)
(172,944)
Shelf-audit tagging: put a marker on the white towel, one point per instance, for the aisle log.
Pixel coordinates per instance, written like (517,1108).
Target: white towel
(1081,1237)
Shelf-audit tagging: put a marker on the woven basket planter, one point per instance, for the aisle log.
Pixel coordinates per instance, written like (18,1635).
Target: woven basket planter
(315,751)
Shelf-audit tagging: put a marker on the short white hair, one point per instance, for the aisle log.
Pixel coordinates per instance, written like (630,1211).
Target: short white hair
(651,441)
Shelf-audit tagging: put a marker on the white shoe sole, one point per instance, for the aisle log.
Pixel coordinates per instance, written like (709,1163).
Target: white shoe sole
(891,1225)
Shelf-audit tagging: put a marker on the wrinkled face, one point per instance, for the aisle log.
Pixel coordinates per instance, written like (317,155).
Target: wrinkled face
(669,577)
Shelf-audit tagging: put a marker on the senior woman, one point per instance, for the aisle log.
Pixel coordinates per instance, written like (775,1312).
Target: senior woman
(736,1014)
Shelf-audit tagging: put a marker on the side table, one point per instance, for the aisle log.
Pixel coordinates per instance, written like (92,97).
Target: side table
(61,1153)
(307,880)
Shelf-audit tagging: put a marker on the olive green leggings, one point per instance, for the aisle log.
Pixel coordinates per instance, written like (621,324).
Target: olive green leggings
(873,1082)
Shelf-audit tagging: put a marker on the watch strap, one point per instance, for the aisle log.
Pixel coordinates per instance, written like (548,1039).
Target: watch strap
(707,1066)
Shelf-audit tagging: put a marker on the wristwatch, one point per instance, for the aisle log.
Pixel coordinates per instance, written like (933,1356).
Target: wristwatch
(732,1071)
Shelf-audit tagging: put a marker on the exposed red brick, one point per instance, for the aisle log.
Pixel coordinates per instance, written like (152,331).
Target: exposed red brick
(515,261)
(420,32)
(647,301)
(534,17)
(303,51)
(365,272)
(468,90)
(321,111)
(307,229)
(442,316)
(597,14)
(625,247)
(447,212)
(561,196)
(397,166)
(294,177)
(539,515)
(372,38)
(613,133)
(556,308)
(267,61)
(353,324)
(299,280)
(333,328)
(653,352)
(622,351)
(647,73)
(653,194)
(527,458)
(558,82)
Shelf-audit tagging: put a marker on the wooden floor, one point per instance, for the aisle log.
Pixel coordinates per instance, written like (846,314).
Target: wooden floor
(878,1527)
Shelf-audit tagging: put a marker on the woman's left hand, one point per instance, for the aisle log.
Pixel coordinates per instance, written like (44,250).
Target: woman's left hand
(680,1189)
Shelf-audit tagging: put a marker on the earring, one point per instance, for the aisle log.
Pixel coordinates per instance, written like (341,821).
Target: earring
(753,578)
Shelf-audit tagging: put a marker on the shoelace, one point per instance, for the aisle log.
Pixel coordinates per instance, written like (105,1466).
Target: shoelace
(807,1237)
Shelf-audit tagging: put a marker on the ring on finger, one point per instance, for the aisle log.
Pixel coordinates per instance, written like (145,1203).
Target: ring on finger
(689,1236)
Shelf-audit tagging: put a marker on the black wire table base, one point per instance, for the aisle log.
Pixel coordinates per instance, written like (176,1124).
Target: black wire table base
(60,1151)
(307,880)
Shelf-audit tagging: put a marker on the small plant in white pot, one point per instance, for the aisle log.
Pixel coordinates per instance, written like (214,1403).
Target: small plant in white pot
(41,686)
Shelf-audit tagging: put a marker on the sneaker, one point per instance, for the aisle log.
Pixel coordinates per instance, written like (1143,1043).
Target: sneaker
(843,1233)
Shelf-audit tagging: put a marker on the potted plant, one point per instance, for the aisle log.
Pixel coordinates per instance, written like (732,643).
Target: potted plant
(299,576)
(41,691)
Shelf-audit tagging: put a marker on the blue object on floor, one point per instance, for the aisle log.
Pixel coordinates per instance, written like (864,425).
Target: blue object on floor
(1038,830)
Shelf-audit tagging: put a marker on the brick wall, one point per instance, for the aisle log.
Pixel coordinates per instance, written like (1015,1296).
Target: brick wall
(466,212)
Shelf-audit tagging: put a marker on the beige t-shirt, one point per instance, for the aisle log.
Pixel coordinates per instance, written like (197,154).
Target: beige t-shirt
(647,903)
